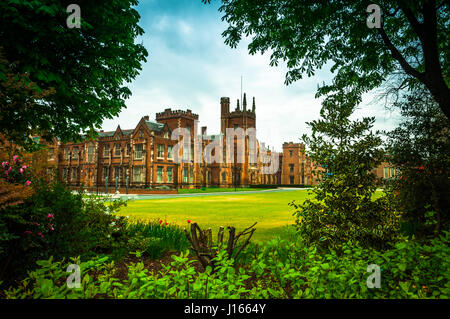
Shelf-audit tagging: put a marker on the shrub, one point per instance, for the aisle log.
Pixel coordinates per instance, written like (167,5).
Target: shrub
(342,208)
(56,222)
(153,238)
(279,269)
(420,150)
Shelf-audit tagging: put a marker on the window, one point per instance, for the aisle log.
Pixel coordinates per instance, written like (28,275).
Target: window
(291,168)
(160,151)
(117,173)
(138,151)
(66,154)
(74,174)
(137,174)
(186,154)
(75,153)
(166,134)
(128,149)
(185,175)
(159,174)
(141,133)
(291,179)
(191,175)
(169,152)
(106,150)
(169,175)
(51,154)
(224,177)
(66,174)
(290,153)
(117,150)
(386,172)
(91,153)
(392,172)
(235,127)
(105,172)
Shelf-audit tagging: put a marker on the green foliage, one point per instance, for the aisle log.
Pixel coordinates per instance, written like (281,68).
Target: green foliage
(56,222)
(278,269)
(154,238)
(420,150)
(343,208)
(308,35)
(86,67)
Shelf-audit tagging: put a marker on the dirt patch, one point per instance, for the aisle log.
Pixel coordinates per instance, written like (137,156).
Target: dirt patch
(152,265)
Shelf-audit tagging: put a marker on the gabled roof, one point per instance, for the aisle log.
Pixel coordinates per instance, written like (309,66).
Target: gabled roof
(153,126)
(106,134)
(127,132)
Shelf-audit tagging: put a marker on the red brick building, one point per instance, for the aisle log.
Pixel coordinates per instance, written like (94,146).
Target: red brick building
(143,157)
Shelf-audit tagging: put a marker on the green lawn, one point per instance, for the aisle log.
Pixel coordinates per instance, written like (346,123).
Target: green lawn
(217,190)
(269,209)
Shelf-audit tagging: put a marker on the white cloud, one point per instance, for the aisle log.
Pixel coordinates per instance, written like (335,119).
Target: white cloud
(189,66)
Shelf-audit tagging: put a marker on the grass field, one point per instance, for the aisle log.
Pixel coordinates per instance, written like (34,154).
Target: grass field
(269,209)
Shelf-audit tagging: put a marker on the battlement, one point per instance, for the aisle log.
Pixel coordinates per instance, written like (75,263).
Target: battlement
(239,113)
(170,114)
(293,145)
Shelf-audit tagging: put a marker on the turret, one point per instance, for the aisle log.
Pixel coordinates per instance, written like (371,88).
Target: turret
(224,105)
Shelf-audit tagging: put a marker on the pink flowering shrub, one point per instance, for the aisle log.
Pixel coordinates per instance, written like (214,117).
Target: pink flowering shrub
(15,172)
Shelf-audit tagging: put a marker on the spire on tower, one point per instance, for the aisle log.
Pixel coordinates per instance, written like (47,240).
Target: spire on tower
(254,105)
(244,103)
(237,105)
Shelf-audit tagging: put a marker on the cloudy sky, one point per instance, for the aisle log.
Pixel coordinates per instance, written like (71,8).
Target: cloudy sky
(190,67)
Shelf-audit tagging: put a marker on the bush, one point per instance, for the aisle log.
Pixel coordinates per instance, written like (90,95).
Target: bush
(343,208)
(56,222)
(420,150)
(278,269)
(155,237)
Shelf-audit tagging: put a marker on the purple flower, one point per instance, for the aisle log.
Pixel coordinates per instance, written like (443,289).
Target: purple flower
(15,158)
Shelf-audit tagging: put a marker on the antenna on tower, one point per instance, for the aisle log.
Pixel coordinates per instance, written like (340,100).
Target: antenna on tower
(241,87)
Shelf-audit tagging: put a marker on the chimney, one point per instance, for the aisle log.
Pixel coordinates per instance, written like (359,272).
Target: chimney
(203,130)
(146,118)
(101,131)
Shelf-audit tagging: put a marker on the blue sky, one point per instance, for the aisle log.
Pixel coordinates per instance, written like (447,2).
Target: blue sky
(190,67)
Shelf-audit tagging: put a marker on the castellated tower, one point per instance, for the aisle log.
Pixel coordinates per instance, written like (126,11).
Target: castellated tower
(239,118)
(177,118)
(243,118)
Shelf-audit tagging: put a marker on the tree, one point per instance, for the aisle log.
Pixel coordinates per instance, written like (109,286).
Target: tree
(86,68)
(420,149)
(412,42)
(343,207)
(18,100)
